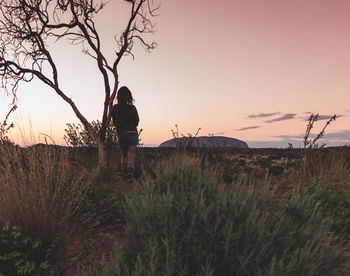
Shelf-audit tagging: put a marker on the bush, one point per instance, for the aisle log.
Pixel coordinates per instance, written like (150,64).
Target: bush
(185,222)
(325,174)
(40,191)
(330,166)
(276,170)
(22,254)
(78,136)
(336,201)
(52,200)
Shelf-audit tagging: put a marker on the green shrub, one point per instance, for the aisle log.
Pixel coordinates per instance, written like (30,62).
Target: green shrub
(78,136)
(336,201)
(325,174)
(185,222)
(22,254)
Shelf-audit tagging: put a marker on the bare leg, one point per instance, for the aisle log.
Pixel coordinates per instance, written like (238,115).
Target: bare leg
(131,156)
(124,159)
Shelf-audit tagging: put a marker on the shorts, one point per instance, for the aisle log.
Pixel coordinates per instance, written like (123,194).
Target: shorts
(126,141)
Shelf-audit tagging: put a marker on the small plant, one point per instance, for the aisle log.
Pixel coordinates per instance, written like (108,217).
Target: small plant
(327,176)
(336,200)
(140,144)
(78,136)
(309,143)
(313,143)
(5,127)
(22,254)
(181,141)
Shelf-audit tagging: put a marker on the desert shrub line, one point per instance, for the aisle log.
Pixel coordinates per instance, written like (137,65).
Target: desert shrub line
(186,222)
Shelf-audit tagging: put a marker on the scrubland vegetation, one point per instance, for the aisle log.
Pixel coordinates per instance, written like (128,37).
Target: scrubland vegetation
(193,212)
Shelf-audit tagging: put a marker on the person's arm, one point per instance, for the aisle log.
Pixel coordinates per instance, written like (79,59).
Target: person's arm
(135,117)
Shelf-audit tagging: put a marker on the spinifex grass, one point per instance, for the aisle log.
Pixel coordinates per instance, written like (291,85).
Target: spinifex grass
(326,175)
(186,222)
(39,191)
(327,166)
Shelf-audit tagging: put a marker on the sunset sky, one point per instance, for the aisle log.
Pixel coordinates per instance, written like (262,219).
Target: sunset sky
(249,69)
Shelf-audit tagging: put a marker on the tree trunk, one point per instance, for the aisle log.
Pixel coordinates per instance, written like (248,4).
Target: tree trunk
(102,155)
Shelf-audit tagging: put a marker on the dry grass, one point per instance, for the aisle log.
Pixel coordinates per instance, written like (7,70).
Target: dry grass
(39,192)
(184,222)
(330,167)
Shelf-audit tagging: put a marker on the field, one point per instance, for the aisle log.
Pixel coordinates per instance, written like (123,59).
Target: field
(187,212)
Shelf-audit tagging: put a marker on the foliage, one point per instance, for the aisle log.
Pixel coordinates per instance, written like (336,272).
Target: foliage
(312,143)
(5,127)
(193,214)
(22,253)
(186,222)
(47,193)
(79,136)
(328,166)
(327,176)
(41,191)
(184,142)
(276,170)
(336,200)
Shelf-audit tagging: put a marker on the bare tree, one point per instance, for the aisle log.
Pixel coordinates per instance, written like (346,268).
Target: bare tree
(29,27)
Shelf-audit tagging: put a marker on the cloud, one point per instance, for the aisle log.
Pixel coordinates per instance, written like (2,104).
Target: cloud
(262,115)
(247,128)
(343,135)
(287,137)
(332,139)
(322,117)
(273,144)
(287,116)
(338,136)
(285,143)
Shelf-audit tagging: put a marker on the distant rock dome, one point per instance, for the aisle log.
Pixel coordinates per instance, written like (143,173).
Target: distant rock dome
(205,141)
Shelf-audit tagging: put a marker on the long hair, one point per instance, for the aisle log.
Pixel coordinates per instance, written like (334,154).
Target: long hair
(124,96)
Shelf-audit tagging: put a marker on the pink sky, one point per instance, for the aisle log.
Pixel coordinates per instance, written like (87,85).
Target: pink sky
(218,62)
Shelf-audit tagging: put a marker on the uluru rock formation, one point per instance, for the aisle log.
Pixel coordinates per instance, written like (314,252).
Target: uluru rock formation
(205,141)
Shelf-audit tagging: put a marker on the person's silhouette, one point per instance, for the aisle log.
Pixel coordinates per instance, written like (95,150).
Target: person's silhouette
(126,120)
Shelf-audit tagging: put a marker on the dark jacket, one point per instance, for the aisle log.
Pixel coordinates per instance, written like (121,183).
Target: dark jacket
(125,118)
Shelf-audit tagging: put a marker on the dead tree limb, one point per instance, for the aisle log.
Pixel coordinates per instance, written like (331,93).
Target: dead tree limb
(29,27)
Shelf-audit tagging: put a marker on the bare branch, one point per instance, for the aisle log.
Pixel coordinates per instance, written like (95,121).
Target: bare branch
(28,28)
(138,23)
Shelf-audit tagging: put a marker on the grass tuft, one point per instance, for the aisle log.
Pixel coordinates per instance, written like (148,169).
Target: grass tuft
(186,222)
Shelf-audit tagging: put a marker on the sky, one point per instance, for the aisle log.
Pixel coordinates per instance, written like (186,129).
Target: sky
(248,69)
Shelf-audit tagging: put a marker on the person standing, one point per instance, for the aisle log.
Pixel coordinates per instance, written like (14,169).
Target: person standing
(126,119)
